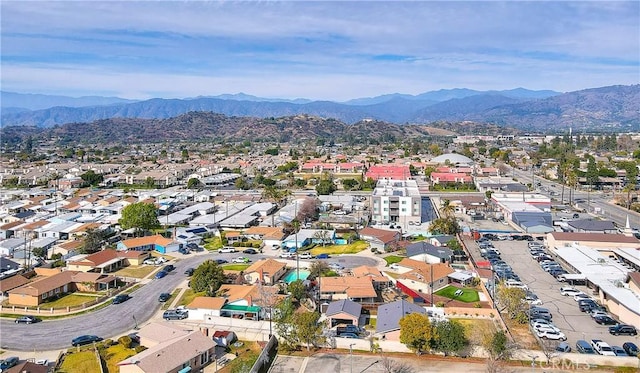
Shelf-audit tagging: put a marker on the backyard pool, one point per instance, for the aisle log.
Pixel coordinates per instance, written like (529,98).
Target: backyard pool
(291,276)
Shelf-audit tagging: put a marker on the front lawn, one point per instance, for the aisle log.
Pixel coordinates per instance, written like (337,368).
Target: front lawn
(115,354)
(188,296)
(80,362)
(469,295)
(136,271)
(236,267)
(213,243)
(393,259)
(69,300)
(166,304)
(351,248)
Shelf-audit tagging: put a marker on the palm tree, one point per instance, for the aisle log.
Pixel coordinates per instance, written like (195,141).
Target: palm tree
(447,208)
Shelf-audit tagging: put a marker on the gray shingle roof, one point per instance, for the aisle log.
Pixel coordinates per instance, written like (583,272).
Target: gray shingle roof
(345,305)
(423,247)
(389,315)
(592,225)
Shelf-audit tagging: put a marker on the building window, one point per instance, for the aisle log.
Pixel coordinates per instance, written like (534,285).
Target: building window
(404,202)
(385,209)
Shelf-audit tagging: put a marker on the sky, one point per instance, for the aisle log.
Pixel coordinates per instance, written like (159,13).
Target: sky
(325,50)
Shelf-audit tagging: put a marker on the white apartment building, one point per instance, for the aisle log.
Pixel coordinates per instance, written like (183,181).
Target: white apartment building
(396,202)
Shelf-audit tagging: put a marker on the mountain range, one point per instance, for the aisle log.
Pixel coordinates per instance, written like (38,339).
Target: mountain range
(615,108)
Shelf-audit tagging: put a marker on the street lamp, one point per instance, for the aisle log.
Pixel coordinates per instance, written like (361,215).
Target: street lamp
(351,356)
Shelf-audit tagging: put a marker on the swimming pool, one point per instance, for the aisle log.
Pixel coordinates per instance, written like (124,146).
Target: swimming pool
(291,276)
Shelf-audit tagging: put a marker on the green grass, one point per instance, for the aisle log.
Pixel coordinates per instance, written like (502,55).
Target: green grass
(236,267)
(136,271)
(351,248)
(188,296)
(213,243)
(69,300)
(392,259)
(80,362)
(115,354)
(468,295)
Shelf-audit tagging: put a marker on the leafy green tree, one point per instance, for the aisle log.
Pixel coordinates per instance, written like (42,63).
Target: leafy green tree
(318,268)
(307,328)
(512,299)
(93,241)
(141,216)
(39,252)
(149,183)
(325,187)
(283,319)
(208,277)
(450,337)
(297,290)
(91,178)
(242,183)
(194,183)
(447,225)
(416,332)
(497,344)
(592,172)
(350,184)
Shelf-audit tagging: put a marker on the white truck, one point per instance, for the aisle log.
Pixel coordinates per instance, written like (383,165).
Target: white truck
(602,347)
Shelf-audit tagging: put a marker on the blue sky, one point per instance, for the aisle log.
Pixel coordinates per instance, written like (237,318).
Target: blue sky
(319,50)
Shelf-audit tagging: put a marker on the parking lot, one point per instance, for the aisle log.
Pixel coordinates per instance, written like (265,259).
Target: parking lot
(566,314)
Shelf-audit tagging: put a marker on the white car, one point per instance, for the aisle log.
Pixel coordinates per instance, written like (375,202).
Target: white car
(394,266)
(241,259)
(150,261)
(553,335)
(226,249)
(581,296)
(595,314)
(305,255)
(545,327)
(287,255)
(336,266)
(569,291)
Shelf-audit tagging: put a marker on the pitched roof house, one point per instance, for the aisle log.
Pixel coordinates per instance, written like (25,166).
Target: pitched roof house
(359,289)
(268,271)
(389,315)
(343,311)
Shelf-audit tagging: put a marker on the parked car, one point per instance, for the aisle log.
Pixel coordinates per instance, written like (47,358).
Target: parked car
(623,329)
(287,255)
(602,347)
(630,348)
(160,274)
(163,297)
(189,271)
(226,249)
(322,256)
(27,319)
(183,250)
(605,320)
(305,255)
(221,261)
(349,335)
(85,339)
(120,298)
(553,335)
(150,261)
(584,347)
(168,268)
(174,315)
(241,259)
(577,297)
(9,362)
(336,266)
(563,347)
(160,260)
(250,251)
(619,351)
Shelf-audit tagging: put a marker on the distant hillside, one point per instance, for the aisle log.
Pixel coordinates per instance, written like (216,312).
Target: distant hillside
(206,126)
(38,101)
(613,108)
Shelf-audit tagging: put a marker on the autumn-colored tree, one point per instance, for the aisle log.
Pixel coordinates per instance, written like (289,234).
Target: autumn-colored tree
(416,332)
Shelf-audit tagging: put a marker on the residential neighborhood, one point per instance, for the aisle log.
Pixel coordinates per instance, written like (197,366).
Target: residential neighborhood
(191,265)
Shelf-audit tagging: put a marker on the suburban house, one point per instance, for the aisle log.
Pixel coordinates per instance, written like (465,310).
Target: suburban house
(11,283)
(185,353)
(308,236)
(267,271)
(224,338)
(343,311)
(442,240)
(358,289)
(389,315)
(416,278)
(270,236)
(204,308)
(38,291)
(107,260)
(378,279)
(427,253)
(241,301)
(149,243)
(8,266)
(380,239)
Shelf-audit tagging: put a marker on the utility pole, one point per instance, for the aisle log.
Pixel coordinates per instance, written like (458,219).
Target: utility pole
(351,356)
